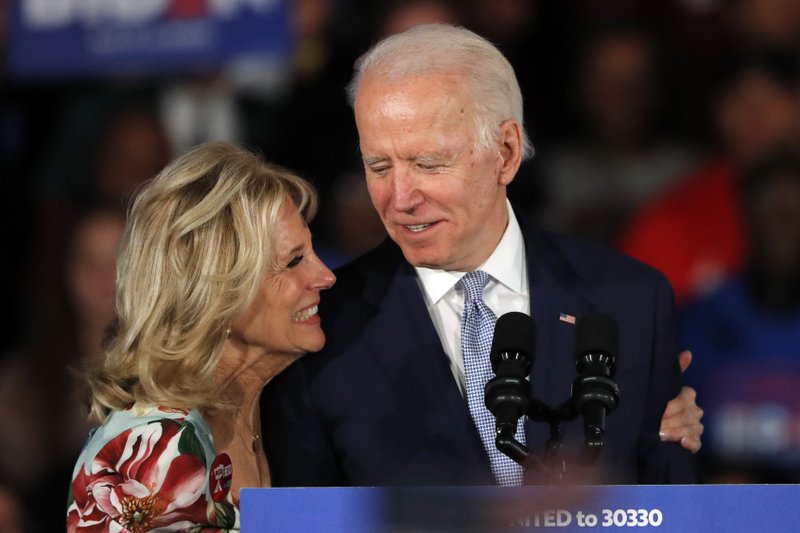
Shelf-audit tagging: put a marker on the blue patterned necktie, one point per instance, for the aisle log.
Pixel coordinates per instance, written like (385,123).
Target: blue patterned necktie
(477,330)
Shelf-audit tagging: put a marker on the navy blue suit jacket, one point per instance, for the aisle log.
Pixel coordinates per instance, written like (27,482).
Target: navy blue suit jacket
(380,406)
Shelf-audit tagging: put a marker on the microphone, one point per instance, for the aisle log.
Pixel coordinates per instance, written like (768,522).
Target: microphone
(594,393)
(507,395)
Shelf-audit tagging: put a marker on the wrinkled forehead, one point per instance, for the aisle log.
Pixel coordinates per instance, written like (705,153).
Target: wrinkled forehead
(408,94)
(434,111)
(427,95)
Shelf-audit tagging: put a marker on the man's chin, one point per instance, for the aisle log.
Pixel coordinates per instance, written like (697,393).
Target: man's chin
(425,260)
(425,255)
(417,259)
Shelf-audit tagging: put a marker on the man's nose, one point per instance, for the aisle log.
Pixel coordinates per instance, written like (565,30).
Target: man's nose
(406,193)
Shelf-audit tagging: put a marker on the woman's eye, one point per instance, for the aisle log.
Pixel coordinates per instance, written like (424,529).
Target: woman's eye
(295,261)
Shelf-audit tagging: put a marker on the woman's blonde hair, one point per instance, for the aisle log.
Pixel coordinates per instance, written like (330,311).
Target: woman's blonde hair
(198,241)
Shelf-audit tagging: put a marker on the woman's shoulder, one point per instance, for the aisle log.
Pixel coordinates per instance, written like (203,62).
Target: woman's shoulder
(144,460)
(152,422)
(142,414)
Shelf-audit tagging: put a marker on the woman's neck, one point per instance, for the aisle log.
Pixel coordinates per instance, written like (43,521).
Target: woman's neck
(241,374)
(240,387)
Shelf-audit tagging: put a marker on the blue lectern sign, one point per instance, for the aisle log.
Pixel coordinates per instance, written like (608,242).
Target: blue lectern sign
(664,509)
(70,37)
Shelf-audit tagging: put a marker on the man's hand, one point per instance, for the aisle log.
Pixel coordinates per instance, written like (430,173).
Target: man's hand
(681,421)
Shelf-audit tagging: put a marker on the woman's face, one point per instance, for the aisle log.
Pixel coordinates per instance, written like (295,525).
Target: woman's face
(283,318)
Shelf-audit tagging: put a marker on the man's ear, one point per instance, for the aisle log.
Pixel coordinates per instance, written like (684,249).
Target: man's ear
(510,148)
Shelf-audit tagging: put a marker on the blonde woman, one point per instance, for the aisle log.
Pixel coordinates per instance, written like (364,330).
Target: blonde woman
(217,292)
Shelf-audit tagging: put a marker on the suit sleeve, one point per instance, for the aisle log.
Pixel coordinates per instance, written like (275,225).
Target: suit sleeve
(298,450)
(663,462)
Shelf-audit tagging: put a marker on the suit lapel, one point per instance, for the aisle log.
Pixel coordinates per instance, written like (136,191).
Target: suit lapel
(555,304)
(407,347)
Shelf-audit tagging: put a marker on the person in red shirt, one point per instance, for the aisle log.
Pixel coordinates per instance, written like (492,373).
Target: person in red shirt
(694,232)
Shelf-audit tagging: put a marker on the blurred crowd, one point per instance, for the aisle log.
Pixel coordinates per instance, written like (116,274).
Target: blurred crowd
(669,129)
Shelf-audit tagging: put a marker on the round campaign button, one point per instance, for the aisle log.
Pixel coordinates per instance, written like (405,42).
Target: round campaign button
(220,477)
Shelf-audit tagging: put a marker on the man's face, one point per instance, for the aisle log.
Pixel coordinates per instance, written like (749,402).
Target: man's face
(440,196)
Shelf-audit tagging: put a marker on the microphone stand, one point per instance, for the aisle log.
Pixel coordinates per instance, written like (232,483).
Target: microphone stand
(510,394)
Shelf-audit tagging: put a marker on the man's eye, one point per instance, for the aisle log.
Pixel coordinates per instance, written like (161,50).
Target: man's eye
(432,167)
(379,171)
(295,261)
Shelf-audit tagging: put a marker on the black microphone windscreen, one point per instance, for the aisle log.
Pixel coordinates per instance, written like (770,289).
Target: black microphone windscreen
(516,332)
(596,332)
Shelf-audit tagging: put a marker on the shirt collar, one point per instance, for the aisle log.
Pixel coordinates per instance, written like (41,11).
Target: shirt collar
(506,264)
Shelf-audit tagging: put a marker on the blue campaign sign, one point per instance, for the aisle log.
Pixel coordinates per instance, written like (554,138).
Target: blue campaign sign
(77,37)
(665,509)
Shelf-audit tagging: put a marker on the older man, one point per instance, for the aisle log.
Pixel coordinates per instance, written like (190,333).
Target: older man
(396,397)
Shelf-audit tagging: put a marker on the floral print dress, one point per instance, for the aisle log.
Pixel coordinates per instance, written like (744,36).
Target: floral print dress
(151,469)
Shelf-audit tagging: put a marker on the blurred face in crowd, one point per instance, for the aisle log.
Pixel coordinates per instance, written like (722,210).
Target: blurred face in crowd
(775,220)
(406,15)
(11,513)
(441,197)
(617,90)
(134,150)
(283,318)
(758,115)
(91,270)
(358,227)
(776,21)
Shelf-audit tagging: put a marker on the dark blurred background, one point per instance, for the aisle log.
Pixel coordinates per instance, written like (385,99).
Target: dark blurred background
(668,129)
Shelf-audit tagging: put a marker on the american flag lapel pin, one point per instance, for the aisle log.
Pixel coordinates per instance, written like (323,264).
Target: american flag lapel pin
(564,317)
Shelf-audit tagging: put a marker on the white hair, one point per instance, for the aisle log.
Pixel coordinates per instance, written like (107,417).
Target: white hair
(444,48)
